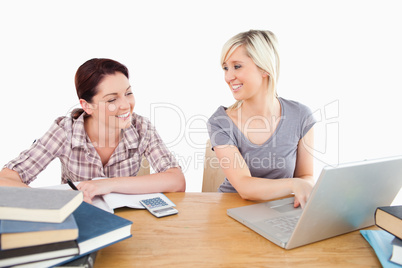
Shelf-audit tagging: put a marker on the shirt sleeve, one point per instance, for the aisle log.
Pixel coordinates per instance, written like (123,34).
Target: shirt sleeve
(158,155)
(35,159)
(220,129)
(307,120)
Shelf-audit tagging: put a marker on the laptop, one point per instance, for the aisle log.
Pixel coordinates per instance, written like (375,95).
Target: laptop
(343,199)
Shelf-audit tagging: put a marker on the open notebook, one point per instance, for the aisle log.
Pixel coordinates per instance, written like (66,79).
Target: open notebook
(111,201)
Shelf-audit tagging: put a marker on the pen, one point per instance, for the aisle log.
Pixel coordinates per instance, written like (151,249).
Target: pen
(72,185)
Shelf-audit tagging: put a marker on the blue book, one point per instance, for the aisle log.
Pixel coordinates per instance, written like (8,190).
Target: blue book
(381,242)
(17,234)
(97,229)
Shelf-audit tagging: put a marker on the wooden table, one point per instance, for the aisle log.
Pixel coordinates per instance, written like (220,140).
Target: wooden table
(202,235)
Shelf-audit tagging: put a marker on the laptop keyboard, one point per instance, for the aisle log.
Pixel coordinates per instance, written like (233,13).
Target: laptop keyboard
(285,224)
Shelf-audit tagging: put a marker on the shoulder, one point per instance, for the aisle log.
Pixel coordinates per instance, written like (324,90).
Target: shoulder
(58,133)
(62,124)
(64,121)
(221,110)
(292,107)
(219,117)
(221,128)
(298,114)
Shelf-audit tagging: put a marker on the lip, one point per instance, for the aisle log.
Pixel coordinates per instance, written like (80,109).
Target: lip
(236,87)
(124,116)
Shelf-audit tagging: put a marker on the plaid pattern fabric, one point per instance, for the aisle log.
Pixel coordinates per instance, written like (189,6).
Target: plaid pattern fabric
(68,141)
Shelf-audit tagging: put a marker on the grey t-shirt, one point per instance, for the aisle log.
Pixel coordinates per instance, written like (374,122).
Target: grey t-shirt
(274,159)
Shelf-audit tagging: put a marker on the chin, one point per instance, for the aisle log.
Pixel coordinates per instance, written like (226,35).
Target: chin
(237,98)
(124,124)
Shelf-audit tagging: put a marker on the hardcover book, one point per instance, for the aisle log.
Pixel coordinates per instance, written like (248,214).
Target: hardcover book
(27,255)
(17,234)
(97,229)
(34,204)
(389,218)
(86,261)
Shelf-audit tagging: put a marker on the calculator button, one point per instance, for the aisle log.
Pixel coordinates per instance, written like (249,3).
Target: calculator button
(155,202)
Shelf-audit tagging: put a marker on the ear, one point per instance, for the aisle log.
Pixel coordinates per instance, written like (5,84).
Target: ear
(87,107)
(265,74)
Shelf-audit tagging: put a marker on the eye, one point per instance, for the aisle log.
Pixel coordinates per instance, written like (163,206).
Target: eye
(111,101)
(129,93)
(237,67)
(225,68)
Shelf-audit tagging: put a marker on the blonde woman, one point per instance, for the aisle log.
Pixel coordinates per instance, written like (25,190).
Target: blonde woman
(263,141)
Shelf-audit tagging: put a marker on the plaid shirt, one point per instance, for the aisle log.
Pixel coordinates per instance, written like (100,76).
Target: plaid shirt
(68,141)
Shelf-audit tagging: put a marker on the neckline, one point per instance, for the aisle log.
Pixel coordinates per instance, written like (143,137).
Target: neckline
(273,134)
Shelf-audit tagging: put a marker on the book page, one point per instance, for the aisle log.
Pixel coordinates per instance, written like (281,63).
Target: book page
(115,200)
(97,201)
(111,201)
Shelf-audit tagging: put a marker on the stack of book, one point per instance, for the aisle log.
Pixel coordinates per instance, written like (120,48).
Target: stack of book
(387,243)
(43,228)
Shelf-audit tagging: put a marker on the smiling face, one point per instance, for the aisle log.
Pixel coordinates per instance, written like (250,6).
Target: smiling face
(113,105)
(244,78)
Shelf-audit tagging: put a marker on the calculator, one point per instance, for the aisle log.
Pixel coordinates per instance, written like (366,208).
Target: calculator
(158,207)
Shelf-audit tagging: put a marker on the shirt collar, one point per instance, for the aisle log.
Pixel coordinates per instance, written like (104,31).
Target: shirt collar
(130,135)
(79,135)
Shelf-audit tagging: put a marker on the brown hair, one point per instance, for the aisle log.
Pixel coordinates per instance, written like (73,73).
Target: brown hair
(90,74)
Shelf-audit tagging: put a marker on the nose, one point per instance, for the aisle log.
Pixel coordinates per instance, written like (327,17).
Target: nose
(229,75)
(124,104)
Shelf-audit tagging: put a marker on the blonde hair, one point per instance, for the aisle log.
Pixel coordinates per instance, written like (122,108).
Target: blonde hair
(262,48)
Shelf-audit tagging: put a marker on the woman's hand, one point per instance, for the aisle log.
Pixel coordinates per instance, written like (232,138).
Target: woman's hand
(93,188)
(302,189)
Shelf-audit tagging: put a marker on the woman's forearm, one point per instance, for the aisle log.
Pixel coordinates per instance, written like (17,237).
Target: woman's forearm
(11,178)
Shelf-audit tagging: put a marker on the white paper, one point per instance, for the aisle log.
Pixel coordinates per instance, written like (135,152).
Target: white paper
(115,200)
(111,201)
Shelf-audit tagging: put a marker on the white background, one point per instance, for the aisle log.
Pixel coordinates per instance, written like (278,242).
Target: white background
(341,58)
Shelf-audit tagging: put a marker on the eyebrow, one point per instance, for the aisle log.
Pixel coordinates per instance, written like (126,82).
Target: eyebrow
(114,94)
(233,62)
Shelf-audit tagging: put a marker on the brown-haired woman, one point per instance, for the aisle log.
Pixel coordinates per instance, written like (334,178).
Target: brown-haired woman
(103,139)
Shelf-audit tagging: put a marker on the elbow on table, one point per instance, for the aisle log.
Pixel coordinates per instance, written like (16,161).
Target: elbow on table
(181,186)
(180,182)
(245,188)
(175,180)
(247,194)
